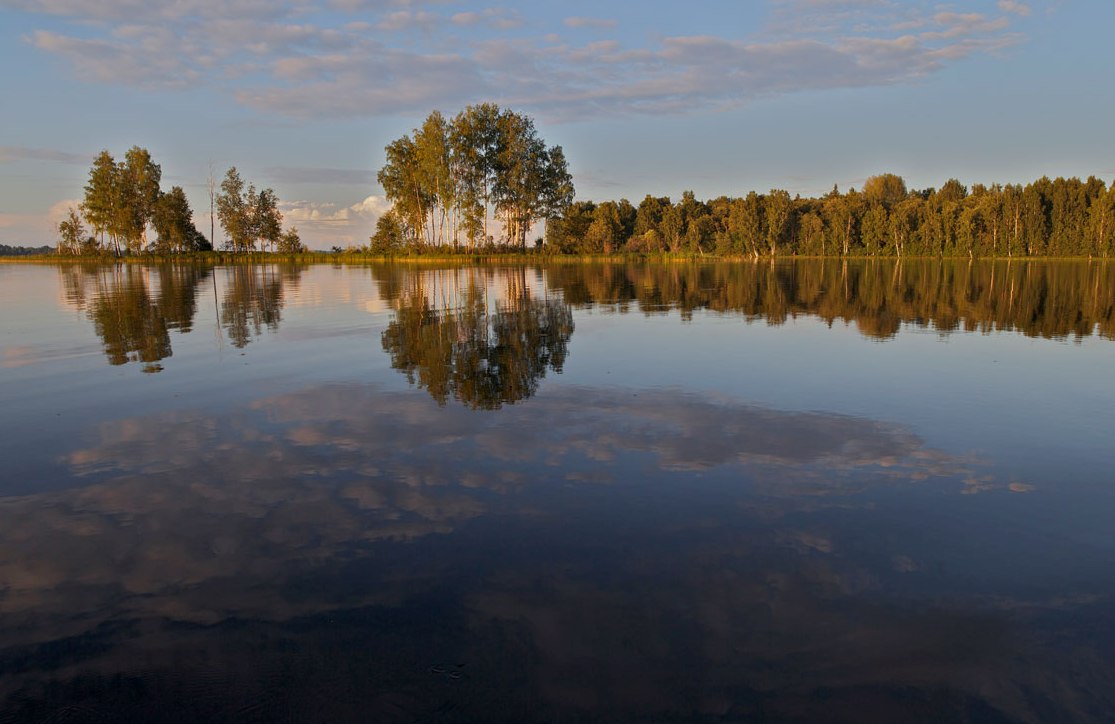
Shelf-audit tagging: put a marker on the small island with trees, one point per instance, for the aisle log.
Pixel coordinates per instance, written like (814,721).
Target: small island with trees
(124,200)
(483,182)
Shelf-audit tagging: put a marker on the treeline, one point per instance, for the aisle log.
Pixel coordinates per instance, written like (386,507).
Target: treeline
(124,201)
(6,250)
(450,176)
(1059,217)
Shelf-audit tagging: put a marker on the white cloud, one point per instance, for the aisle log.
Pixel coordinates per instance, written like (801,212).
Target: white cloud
(36,228)
(584,22)
(1013,6)
(60,209)
(145,63)
(298,61)
(498,18)
(322,225)
(409,20)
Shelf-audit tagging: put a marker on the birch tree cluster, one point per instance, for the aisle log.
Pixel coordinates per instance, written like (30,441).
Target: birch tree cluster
(452,180)
(251,219)
(123,202)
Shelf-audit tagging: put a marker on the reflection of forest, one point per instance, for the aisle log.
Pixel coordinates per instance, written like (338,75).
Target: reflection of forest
(487,336)
(484,353)
(133,308)
(253,299)
(132,320)
(1046,299)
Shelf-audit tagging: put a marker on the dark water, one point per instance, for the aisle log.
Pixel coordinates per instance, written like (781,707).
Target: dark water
(787,492)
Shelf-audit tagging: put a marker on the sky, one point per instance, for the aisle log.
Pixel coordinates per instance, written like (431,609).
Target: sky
(720,97)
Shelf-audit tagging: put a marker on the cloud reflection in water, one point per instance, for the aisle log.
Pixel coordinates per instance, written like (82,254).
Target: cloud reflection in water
(706,567)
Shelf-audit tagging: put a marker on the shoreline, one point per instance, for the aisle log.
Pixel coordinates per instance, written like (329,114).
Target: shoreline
(217,258)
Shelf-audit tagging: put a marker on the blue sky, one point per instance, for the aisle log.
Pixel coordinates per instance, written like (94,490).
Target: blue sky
(719,96)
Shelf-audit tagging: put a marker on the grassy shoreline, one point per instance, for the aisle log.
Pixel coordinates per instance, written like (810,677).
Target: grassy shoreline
(219,258)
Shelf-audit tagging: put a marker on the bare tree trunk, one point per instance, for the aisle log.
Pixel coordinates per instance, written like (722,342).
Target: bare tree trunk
(212,215)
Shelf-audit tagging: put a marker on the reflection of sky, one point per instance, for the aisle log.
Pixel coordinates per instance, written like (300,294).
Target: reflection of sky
(645,548)
(340,464)
(1005,393)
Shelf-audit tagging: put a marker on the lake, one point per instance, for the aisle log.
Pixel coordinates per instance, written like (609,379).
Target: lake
(795,490)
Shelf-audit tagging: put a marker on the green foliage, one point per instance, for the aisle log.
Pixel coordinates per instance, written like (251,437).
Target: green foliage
(777,210)
(605,233)
(138,179)
(266,218)
(101,197)
(71,234)
(745,224)
(446,180)
(290,242)
(234,209)
(390,237)
(874,227)
(123,200)
(567,234)
(1059,217)
(885,189)
(249,218)
(173,222)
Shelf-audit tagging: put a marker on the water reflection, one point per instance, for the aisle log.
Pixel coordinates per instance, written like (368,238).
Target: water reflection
(133,321)
(1041,299)
(269,547)
(253,299)
(484,354)
(487,335)
(345,552)
(134,308)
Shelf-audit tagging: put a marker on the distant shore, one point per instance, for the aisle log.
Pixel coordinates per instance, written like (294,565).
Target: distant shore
(325,257)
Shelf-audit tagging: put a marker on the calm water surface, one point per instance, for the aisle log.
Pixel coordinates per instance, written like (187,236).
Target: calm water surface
(815,491)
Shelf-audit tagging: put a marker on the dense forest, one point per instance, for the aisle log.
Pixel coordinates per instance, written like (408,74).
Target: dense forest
(1059,217)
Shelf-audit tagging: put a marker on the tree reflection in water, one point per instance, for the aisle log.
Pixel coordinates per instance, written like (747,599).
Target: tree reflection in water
(486,337)
(1038,299)
(483,353)
(134,308)
(253,299)
(133,321)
